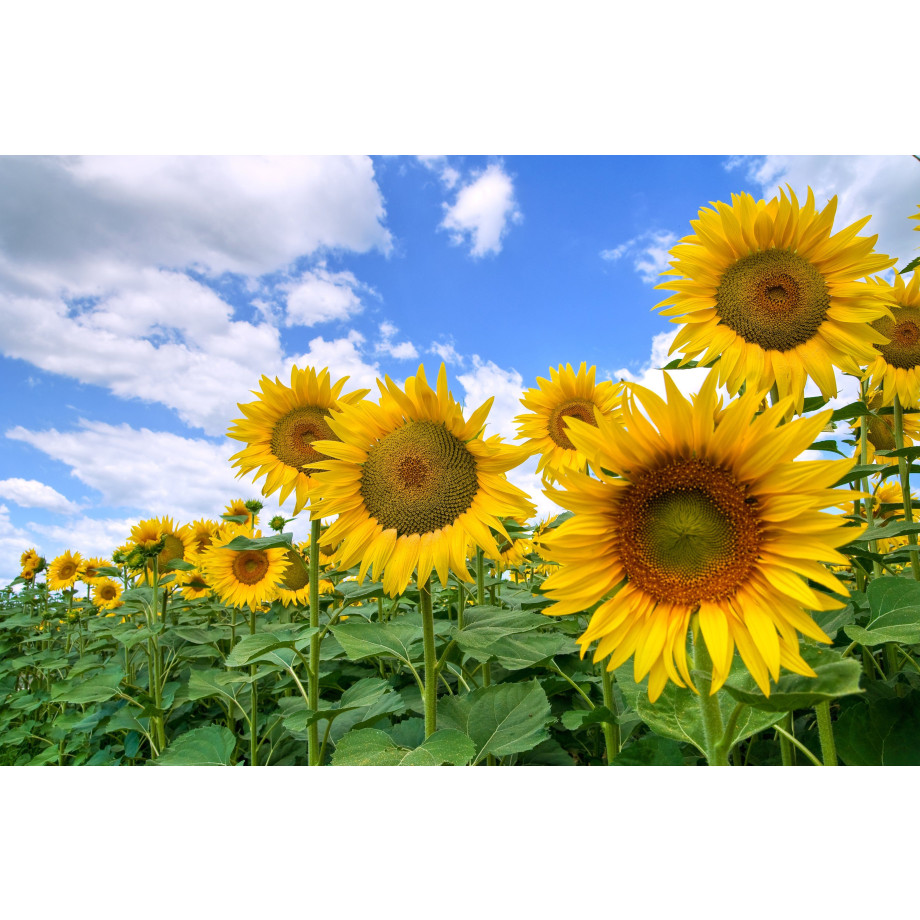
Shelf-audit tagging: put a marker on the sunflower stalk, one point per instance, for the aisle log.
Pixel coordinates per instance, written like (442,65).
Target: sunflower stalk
(254,700)
(431,659)
(904,471)
(611,731)
(826,734)
(863,460)
(710,712)
(313,748)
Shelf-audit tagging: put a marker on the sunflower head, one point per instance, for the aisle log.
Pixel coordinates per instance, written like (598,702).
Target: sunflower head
(91,568)
(412,482)
(565,395)
(880,430)
(281,426)
(64,571)
(107,594)
(239,509)
(689,515)
(768,291)
(896,368)
(243,578)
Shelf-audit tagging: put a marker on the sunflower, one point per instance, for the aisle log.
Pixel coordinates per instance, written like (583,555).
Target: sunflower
(64,571)
(202,532)
(412,483)
(688,515)
(767,290)
(237,508)
(294,586)
(280,427)
(243,578)
(107,594)
(30,563)
(90,574)
(146,534)
(880,431)
(565,395)
(896,368)
(193,585)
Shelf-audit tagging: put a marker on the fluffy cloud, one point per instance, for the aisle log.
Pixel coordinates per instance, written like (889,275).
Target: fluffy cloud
(402,350)
(321,296)
(506,386)
(30,493)
(446,352)
(14,541)
(74,223)
(883,186)
(650,253)
(439,164)
(482,212)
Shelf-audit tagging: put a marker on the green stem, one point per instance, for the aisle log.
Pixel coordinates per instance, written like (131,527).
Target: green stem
(313,748)
(711,714)
(253,700)
(826,734)
(792,740)
(904,470)
(611,732)
(480,601)
(785,737)
(431,659)
(863,460)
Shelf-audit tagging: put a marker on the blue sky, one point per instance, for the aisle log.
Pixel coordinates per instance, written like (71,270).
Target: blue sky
(141,298)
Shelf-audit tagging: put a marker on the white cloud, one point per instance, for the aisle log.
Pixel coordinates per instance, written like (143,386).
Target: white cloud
(650,374)
(482,212)
(14,541)
(402,350)
(321,296)
(650,253)
(446,352)
(343,358)
(72,222)
(439,164)
(30,493)
(506,386)
(883,186)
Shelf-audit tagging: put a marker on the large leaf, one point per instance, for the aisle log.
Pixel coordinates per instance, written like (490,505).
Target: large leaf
(676,713)
(205,682)
(501,719)
(371,697)
(96,689)
(884,732)
(366,640)
(372,747)
(278,541)
(522,650)
(836,676)
(250,648)
(650,751)
(208,746)
(894,613)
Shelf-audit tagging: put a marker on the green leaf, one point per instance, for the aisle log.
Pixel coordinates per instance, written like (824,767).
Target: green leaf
(352,591)
(372,747)
(520,650)
(501,719)
(676,713)
(580,718)
(885,732)
(912,453)
(832,621)
(857,472)
(894,613)
(205,682)
(650,751)
(208,746)
(910,265)
(850,411)
(96,689)
(829,446)
(278,541)
(366,694)
(252,648)
(891,529)
(366,640)
(837,676)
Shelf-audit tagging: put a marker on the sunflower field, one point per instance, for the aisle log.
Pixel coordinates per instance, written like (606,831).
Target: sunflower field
(710,594)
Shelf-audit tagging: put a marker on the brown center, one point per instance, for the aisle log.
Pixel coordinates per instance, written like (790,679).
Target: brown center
(574,408)
(250,566)
(688,532)
(108,592)
(293,436)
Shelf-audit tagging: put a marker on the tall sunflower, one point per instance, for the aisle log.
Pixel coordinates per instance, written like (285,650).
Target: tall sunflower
(107,594)
(566,394)
(765,288)
(64,571)
(692,515)
(280,427)
(880,433)
(896,368)
(412,482)
(243,578)
(294,586)
(237,508)
(90,574)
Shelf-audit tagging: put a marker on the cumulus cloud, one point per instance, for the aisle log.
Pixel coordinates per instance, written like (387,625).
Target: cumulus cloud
(482,212)
(14,541)
(30,493)
(402,350)
(506,386)
(649,252)
(321,296)
(446,352)
(883,186)
(440,165)
(71,222)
